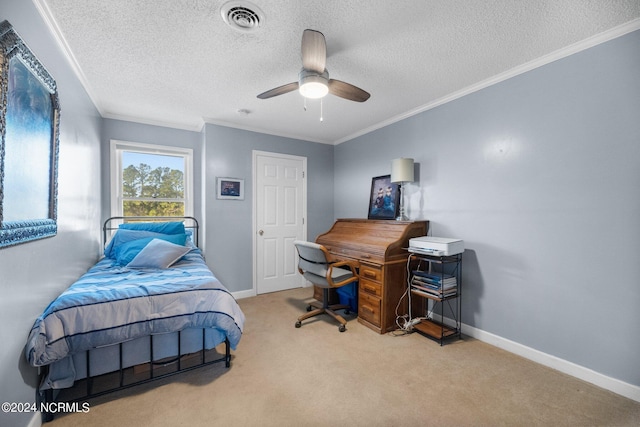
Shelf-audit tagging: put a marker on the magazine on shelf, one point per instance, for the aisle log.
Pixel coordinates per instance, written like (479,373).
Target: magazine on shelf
(432,293)
(441,277)
(449,283)
(435,282)
(432,287)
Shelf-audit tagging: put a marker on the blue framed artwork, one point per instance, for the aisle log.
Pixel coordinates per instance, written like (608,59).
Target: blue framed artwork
(230,189)
(29,138)
(384,198)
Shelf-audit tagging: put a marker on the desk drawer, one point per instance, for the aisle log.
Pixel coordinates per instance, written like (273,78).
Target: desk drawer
(369,308)
(371,288)
(338,252)
(371,272)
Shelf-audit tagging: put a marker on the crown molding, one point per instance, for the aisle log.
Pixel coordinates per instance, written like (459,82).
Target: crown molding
(516,71)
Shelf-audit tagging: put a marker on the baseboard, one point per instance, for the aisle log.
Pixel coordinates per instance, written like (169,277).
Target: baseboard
(614,385)
(252,292)
(36,420)
(244,294)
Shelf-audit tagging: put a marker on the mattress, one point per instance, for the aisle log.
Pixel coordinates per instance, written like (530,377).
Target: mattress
(113,304)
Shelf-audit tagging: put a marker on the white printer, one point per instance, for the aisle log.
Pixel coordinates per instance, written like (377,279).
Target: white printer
(436,246)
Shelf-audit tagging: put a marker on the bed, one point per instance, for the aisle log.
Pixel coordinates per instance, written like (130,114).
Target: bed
(148,309)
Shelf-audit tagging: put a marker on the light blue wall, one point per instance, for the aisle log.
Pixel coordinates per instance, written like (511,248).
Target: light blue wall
(540,176)
(229,223)
(147,134)
(222,151)
(33,274)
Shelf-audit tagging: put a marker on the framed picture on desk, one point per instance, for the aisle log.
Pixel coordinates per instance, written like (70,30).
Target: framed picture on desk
(384,199)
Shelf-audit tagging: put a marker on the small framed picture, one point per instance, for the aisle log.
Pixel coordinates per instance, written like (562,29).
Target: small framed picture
(384,199)
(230,189)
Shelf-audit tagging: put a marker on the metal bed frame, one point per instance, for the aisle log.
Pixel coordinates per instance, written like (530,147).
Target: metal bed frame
(108,227)
(47,397)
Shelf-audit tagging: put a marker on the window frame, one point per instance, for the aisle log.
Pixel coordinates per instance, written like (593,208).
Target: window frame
(118,147)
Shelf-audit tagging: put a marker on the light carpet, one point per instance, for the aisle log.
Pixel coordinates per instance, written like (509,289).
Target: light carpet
(317,376)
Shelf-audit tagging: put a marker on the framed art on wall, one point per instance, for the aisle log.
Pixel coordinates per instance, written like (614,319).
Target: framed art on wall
(384,198)
(29,138)
(230,189)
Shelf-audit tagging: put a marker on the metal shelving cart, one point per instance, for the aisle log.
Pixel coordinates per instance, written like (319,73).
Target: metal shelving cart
(437,280)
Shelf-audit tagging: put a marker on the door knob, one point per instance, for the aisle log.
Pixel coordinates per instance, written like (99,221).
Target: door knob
(261,232)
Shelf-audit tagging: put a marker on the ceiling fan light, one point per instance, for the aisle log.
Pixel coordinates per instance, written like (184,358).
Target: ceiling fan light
(313,87)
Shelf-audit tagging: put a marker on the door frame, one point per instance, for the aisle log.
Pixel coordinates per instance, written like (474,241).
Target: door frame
(254,218)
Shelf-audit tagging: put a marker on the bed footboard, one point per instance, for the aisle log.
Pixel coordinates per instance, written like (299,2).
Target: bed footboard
(153,370)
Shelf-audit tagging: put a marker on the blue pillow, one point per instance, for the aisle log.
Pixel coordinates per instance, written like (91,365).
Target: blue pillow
(157,227)
(124,236)
(126,252)
(158,254)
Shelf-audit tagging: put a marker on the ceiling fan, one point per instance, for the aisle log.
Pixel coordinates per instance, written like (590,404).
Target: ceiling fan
(313,79)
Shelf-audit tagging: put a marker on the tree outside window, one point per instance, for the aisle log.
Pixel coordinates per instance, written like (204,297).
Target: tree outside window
(151,184)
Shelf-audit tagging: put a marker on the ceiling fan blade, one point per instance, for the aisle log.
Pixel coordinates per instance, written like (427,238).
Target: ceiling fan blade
(347,91)
(280,90)
(314,51)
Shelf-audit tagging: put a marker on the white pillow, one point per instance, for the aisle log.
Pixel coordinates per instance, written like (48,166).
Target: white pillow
(158,254)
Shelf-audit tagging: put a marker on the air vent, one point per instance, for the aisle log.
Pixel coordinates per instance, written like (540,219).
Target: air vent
(242,16)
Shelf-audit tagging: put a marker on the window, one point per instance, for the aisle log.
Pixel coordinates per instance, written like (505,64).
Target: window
(151,180)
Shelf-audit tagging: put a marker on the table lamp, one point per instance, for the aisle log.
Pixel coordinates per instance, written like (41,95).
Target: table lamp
(401,172)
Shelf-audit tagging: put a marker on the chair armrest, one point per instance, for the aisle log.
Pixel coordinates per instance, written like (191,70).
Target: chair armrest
(352,266)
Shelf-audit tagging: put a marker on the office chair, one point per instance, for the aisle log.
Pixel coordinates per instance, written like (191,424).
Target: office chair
(315,264)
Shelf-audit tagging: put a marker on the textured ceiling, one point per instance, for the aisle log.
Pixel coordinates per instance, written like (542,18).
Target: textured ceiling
(177,63)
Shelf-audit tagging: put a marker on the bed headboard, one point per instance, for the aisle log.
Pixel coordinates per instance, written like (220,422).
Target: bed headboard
(111,225)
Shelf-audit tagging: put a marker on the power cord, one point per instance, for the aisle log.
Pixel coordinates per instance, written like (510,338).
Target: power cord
(406,322)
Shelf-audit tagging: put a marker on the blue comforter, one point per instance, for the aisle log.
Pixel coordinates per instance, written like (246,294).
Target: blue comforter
(111,304)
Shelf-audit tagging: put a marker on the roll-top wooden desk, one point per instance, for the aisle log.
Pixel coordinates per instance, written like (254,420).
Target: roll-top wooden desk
(379,248)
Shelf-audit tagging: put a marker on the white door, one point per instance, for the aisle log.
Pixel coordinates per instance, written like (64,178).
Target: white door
(279,214)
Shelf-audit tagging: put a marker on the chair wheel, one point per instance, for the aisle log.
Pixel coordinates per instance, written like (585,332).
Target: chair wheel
(347,312)
(342,328)
(298,324)
(309,307)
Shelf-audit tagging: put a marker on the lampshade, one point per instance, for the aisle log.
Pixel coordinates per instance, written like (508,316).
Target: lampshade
(402,170)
